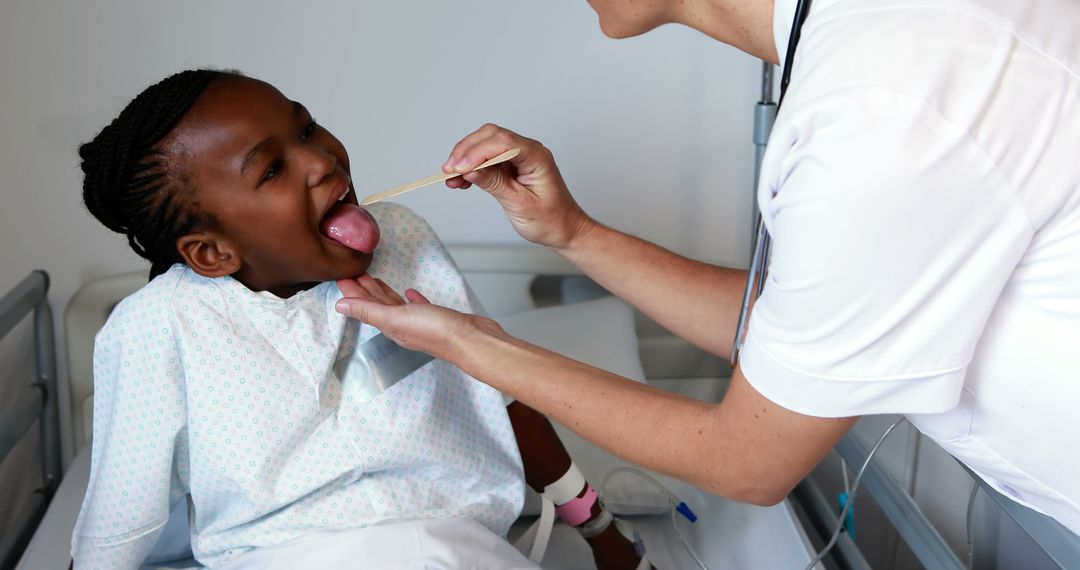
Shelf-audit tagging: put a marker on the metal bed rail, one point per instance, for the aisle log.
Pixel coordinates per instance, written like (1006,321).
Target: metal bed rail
(36,401)
(1059,544)
(906,516)
(821,516)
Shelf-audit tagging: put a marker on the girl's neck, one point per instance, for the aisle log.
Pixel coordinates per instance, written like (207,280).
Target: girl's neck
(283,291)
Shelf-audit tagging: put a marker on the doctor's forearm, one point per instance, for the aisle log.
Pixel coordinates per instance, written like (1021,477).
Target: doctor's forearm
(660,430)
(697,301)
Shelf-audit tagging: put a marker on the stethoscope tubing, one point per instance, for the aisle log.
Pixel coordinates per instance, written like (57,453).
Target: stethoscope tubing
(759,261)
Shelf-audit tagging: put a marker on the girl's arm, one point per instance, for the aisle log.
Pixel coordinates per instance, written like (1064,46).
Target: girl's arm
(545,461)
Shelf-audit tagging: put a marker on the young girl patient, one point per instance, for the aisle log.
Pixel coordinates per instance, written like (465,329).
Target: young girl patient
(221,381)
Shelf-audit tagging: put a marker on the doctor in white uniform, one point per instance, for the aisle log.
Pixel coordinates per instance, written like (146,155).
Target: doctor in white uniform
(922,187)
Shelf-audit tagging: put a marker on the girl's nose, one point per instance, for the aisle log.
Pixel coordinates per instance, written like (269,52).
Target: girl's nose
(320,165)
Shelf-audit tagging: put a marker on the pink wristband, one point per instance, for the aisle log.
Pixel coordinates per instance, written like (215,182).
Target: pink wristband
(579,509)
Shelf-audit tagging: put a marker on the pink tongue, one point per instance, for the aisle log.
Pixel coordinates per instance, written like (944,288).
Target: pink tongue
(352,227)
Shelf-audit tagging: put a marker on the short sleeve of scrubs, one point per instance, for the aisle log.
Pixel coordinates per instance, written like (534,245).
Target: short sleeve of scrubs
(893,236)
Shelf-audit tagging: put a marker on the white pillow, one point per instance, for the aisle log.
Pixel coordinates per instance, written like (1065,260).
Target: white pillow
(599,333)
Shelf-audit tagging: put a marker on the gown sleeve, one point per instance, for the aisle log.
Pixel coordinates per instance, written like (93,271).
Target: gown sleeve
(138,433)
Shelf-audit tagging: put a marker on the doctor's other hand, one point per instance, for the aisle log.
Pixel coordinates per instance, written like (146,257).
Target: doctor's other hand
(529,187)
(415,324)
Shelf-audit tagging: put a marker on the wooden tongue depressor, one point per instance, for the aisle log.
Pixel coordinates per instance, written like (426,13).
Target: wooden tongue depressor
(434,178)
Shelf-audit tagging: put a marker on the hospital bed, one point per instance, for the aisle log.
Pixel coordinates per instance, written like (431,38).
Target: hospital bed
(539,297)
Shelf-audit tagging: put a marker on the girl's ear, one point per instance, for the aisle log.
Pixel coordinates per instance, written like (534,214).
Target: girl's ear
(209,254)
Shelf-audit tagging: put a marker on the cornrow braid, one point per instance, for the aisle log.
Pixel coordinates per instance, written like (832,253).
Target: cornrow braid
(128,184)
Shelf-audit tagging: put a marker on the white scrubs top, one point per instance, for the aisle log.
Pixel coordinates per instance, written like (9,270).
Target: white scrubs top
(922,185)
(243,405)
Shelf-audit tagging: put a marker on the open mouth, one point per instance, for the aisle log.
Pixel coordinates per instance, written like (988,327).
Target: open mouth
(346,223)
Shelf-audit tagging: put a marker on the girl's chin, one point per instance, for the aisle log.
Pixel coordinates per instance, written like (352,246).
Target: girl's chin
(353,265)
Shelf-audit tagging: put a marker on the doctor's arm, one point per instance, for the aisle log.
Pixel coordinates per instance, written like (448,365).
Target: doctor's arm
(697,301)
(745,448)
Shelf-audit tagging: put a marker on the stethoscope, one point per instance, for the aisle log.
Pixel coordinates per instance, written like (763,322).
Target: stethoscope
(759,261)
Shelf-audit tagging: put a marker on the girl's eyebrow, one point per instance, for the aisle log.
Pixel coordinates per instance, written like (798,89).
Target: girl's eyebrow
(298,109)
(251,154)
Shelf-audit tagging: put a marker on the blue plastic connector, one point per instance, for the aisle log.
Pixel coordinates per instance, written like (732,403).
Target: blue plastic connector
(849,518)
(686,512)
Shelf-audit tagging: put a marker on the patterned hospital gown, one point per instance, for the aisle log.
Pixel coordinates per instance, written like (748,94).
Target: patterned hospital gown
(206,389)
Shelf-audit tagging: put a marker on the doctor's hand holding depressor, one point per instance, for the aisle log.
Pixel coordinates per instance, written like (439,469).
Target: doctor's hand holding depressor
(534,196)
(529,187)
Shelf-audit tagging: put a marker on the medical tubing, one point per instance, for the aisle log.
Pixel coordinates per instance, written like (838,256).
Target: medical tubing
(677,506)
(851,498)
(686,545)
(844,470)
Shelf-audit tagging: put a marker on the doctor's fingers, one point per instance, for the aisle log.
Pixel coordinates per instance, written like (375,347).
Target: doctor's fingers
(497,180)
(378,288)
(463,156)
(416,326)
(490,141)
(372,313)
(369,288)
(415,296)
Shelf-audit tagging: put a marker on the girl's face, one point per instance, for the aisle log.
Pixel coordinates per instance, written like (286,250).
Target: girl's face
(267,175)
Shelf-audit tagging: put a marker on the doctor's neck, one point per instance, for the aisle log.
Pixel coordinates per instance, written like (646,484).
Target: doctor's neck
(743,24)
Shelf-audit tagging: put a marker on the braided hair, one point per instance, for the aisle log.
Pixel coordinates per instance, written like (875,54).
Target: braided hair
(130,185)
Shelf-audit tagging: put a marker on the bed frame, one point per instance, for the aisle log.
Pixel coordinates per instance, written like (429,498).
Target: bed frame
(926,543)
(36,401)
